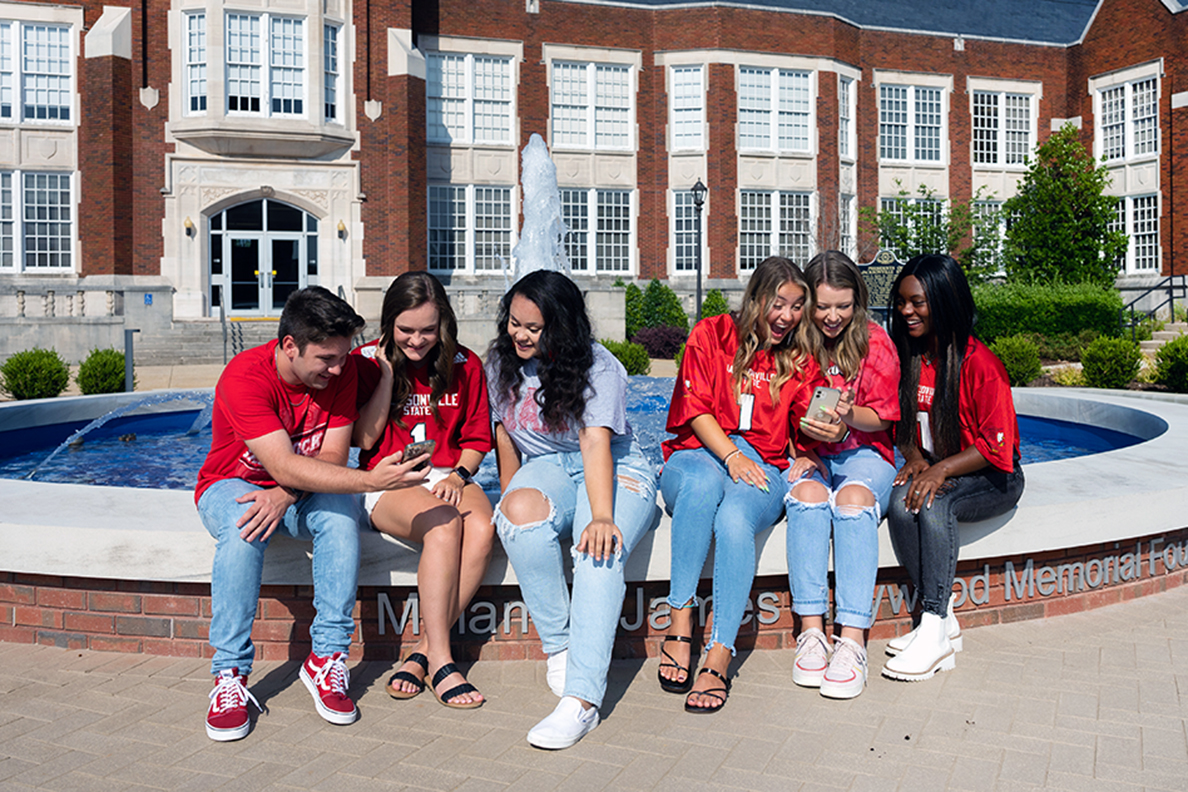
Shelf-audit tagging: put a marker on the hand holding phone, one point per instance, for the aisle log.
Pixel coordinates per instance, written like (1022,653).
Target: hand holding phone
(823,399)
(414,450)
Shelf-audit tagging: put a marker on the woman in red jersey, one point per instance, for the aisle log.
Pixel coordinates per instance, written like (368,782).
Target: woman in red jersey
(422,385)
(742,382)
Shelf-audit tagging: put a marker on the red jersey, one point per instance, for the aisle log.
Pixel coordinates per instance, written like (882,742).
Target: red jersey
(705,386)
(985,406)
(251,400)
(463,421)
(876,387)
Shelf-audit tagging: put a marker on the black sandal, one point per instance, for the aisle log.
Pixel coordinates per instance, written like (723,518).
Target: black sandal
(671,685)
(720,693)
(404,676)
(457,690)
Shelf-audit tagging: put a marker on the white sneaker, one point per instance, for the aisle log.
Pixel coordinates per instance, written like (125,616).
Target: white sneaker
(569,723)
(846,676)
(929,652)
(812,658)
(952,629)
(555,672)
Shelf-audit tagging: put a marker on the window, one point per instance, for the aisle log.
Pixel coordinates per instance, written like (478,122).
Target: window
(36,221)
(1143,211)
(330,73)
(1002,128)
(846,215)
(774,223)
(910,124)
(919,225)
(272,85)
(845,118)
(485,211)
(468,98)
(684,232)
(688,107)
(774,109)
(591,105)
(609,214)
(195,63)
(1129,120)
(42,72)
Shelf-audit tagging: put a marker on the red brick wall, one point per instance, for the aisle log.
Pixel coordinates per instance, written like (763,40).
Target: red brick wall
(105,228)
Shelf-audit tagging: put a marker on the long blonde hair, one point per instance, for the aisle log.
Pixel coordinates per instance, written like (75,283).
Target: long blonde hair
(836,269)
(753,332)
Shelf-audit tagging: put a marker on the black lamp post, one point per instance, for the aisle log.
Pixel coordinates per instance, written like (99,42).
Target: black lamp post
(699,191)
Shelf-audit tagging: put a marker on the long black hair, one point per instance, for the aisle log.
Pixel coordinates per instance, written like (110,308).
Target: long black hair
(952,316)
(565,352)
(409,291)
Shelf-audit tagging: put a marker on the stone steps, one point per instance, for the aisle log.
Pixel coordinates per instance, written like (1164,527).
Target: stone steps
(200,342)
(1170,332)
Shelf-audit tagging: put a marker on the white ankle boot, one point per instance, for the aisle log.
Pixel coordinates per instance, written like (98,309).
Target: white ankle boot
(929,651)
(952,629)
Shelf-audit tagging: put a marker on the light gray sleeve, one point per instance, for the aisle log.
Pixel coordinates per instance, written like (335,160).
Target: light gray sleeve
(606,396)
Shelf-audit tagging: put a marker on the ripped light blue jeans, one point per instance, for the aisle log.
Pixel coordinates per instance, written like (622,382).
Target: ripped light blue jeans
(585,623)
(855,538)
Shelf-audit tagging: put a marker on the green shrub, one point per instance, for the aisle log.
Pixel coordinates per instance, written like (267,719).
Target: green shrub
(1048,309)
(633,356)
(1062,346)
(1020,356)
(102,372)
(662,307)
(633,298)
(679,356)
(1171,364)
(34,374)
(714,304)
(1068,377)
(1111,362)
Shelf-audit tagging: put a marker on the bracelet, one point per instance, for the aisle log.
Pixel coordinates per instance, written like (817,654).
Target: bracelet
(726,459)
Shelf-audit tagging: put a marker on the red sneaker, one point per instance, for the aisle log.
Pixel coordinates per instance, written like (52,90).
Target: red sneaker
(227,719)
(327,680)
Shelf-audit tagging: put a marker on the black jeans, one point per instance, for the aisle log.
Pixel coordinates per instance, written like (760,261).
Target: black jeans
(926,543)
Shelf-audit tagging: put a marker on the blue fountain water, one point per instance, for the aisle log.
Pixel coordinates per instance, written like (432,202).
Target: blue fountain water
(169,448)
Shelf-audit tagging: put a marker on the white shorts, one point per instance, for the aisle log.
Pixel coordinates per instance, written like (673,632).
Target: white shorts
(436,474)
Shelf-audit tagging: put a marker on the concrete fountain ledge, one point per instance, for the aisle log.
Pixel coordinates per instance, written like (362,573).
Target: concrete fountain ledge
(142,559)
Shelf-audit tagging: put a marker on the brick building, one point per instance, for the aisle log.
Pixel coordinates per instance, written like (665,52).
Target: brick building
(158,159)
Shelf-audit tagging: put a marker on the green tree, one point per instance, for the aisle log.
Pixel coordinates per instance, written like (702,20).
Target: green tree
(1059,230)
(661,306)
(634,306)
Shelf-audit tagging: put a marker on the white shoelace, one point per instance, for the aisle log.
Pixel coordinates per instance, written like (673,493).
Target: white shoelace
(230,693)
(849,654)
(337,672)
(811,644)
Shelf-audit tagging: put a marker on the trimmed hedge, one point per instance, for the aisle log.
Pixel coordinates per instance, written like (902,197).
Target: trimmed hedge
(1020,357)
(1172,365)
(34,374)
(714,304)
(633,299)
(633,356)
(1049,309)
(1111,362)
(102,372)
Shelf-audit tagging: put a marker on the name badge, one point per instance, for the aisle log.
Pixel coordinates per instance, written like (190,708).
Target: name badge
(746,406)
(925,431)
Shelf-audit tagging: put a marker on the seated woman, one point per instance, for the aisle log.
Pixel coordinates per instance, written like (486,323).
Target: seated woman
(568,465)
(841,490)
(422,385)
(741,384)
(960,441)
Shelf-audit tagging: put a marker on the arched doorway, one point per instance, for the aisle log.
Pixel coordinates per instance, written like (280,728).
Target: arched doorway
(260,252)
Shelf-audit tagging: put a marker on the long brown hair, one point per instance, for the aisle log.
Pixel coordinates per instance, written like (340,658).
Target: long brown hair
(751,324)
(835,269)
(410,291)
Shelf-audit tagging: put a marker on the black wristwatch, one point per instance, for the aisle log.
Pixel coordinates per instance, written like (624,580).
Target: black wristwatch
(464,474)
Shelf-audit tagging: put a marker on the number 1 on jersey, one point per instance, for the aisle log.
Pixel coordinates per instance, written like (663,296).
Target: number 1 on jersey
(418,433)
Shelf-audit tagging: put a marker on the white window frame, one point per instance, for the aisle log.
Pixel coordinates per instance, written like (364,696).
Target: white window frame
(1126,85)
(1000,134)
(847,109)
(468,96)
(593,109)
(332,75)
(1144,251)
(683,234)
(586,252)
(773,110)
(686,114)
(914,93)
(266,66)
(777,227)
(894,203)
(477,229)
(14,227)
(196,55)
(18,80)
(847,224)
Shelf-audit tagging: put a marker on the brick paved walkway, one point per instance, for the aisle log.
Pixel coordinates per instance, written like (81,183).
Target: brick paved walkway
(1090,701)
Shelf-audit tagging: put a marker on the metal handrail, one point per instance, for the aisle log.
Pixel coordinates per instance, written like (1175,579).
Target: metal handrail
(1176,287)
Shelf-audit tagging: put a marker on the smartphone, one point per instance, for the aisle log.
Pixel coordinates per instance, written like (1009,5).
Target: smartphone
(823,399)
(414,450)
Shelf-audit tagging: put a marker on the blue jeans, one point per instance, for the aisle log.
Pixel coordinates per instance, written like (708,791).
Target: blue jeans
(704,502)
(927,544)
(855,533)
(585,623)
(331,522)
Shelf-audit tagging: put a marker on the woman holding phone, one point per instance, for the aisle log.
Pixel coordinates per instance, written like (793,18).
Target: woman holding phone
(570,467)
(420,389)
(840,490)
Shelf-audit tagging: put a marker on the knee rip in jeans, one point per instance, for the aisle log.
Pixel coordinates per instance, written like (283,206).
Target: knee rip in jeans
(634,485)
(793,502)
(853,510)
(507,529)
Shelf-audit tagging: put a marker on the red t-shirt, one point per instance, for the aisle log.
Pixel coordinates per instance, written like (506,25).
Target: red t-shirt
(464,416)
(985,406)
(705,386)
(876,387)
(251,400)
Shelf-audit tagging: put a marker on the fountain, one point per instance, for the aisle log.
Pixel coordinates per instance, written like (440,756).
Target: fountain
(542,238)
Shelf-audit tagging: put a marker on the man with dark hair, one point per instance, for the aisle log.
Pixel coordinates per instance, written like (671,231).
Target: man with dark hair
(282,420)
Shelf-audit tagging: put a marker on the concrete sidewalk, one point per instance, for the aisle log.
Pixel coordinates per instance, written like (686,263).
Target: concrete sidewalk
(1090,701)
